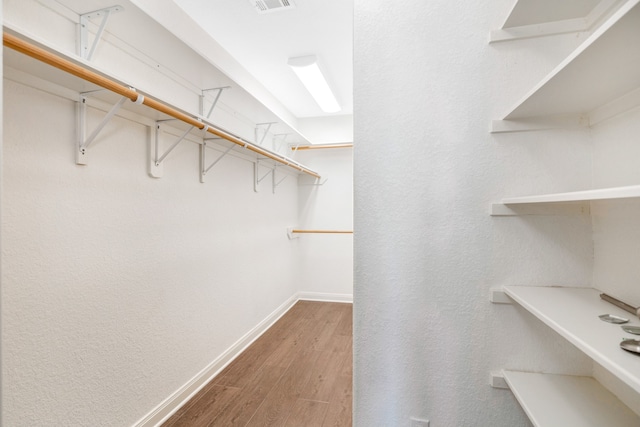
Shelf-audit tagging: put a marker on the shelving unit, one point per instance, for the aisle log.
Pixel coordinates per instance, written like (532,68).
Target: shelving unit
(505,206)
(575,92)
(56,67)
(573,313)
(534,18)
(564,400)
(600,79)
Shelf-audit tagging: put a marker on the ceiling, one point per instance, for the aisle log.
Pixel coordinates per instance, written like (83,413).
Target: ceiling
(263,43)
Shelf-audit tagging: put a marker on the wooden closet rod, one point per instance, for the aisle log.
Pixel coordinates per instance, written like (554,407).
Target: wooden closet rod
(321,146)
(56,61)
(322,231)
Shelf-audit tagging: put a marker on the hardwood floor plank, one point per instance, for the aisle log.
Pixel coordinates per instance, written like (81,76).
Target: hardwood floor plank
(249,400)
(280,401)
(340,407)
(298,373)
(245,366)
(291,345)
(323,376)
(208,405)
(307,413)
(345,327)
(328,328)
(347,366)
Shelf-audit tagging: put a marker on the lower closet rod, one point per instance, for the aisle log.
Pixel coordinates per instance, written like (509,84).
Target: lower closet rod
(47,57)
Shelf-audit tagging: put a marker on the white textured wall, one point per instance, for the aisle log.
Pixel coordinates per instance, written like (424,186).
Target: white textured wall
(327,259)
(616,227)
(616,230)
(327,130)
(427,252)
(117,289)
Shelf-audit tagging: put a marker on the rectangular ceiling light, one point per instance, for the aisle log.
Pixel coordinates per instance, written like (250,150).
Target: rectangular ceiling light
(307,70)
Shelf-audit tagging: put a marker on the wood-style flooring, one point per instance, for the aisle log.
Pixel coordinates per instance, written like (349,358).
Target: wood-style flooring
(297,374)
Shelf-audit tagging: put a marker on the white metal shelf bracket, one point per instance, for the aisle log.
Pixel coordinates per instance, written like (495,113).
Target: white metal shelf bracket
(276,183)
(291,235)
(218,92)
(86,51)
(498,381)
(259,126)
(317,183)
(257,179)
(498,296)
(283,139)
(85,141)
(156,164)
(203,163)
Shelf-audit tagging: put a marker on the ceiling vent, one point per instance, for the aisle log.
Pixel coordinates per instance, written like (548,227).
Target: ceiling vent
(268,6)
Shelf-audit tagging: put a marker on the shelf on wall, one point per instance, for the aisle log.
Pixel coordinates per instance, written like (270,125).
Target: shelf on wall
(602,70)
(573,313)
(535,18)
(564,400)
(73,75)
(505,207)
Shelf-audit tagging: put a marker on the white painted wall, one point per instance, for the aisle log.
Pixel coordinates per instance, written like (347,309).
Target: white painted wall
(327,130)
(616,229)
(327,259)
(427,86)
(118,289)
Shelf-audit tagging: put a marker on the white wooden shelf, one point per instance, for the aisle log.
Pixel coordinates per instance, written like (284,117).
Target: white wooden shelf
(603,69)
(563,400)
(511,205)
(535,18)
(27,70)
(573,313)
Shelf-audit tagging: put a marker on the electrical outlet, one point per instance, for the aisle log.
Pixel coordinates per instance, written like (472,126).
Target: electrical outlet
(417,422)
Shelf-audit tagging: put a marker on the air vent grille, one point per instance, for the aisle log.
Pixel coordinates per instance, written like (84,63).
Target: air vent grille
(267,6)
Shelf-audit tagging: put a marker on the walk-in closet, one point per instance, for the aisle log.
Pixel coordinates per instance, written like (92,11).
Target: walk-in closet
(442,232)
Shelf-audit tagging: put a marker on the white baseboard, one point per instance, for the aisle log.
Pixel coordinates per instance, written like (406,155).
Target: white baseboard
(318,296)
(171,404)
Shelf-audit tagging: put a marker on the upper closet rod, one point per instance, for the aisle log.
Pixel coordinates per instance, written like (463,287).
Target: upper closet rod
(43,55)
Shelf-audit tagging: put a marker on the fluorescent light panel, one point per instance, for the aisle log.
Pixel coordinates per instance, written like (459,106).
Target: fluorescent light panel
(307,70)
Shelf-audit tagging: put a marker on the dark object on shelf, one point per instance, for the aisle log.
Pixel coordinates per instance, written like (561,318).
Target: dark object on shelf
(613,319)
(635,330)
(622,305)
(630,345)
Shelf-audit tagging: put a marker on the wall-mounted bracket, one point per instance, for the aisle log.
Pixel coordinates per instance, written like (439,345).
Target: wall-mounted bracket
(257,179)
(156,168)
(218,92)
(498,296)
(261,126)
(291,235)
(203,164)
(498,381)
(275,182)
(279,139)
(84,141)
(84,50)
(294,148)
(317,183)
